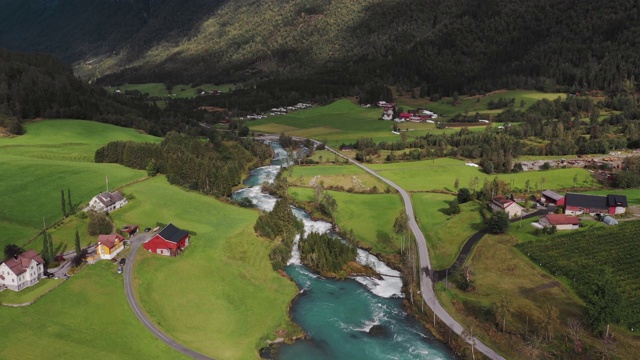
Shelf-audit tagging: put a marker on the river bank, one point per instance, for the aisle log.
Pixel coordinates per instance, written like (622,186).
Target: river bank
(358,317)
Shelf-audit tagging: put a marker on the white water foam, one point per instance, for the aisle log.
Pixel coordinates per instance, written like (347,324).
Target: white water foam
(391,283)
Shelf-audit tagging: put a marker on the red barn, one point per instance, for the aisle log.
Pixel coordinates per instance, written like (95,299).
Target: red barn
(170,241)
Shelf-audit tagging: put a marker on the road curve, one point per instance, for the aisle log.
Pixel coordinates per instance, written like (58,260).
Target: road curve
(426,285)
(128,288)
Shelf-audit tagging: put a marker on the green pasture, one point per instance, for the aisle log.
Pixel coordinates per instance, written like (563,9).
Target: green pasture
(86,316)
(29,294)
(445,234)
(160,89)
(441,173)
(221,297)
(479,103)
(370,216)
(345,176)
(55,155)
(339,122)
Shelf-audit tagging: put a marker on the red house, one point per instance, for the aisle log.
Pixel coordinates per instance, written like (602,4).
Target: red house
(170,241)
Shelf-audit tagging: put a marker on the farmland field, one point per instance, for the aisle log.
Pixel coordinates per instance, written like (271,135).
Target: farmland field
(346,176)
(221,297)
(87,316)
(583,257)
(441,174)
(55,155)
(179,91)
(445,234)
(370,216)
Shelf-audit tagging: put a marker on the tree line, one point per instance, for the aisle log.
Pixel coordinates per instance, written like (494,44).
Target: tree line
(211,167)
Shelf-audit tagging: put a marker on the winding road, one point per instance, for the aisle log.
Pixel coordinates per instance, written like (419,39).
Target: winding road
(426,285)
(136,241)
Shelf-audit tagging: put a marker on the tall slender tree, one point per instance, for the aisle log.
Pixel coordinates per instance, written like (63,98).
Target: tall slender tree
(72,209)
(64,204)
(78,247)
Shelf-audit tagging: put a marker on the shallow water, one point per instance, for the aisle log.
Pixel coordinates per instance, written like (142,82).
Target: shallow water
(338,314)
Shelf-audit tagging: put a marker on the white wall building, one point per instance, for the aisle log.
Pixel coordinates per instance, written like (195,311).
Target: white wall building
(22,271)
(107,201)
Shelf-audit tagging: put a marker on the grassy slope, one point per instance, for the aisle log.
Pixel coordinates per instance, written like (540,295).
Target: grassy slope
(473,104)
(339,122)
(370,216)
(87,316)
(55,155)
(160,90)
(445,234)
(220,297)
(441,174)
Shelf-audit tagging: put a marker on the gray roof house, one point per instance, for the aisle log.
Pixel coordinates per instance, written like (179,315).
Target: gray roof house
(107,201)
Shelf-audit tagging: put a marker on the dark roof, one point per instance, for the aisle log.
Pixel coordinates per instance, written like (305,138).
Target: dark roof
(109,198)
(172,233)
(595,201)
(617,200)
(586,201)
(552,195)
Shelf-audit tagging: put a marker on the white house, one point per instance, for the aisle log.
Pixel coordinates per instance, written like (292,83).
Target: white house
(22,271)
(107,201)
(501,203)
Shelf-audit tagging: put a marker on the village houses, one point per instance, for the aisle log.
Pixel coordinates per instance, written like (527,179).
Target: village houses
(170,241)
(107,201)
(501,203)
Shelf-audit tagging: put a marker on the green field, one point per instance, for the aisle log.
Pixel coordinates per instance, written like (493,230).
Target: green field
(582,257)
(221,296)
(29,294)
(339,122)
(445,234)
(441,174)
(345,176)
(55,155)
(160,90)
(473,104)
(87,316)
(370,216)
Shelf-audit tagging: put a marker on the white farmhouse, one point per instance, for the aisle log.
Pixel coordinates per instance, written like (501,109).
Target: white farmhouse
(107,201)
(22,271)
(500,203)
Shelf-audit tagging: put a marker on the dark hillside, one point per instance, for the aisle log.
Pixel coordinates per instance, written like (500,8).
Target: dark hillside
(443,46)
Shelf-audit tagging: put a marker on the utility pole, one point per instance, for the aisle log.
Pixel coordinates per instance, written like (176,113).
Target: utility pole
(44,225)
(107,178)
(446,279)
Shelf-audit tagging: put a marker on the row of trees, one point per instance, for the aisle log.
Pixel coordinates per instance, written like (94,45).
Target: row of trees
(212,168)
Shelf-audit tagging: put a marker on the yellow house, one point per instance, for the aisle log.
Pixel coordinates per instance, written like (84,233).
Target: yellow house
(109,246)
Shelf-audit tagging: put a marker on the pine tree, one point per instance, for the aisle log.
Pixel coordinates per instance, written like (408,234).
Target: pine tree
(72,209)
(64,204)
(78,247)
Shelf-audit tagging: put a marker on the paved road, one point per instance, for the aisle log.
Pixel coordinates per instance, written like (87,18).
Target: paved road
(136,241)
(426,285)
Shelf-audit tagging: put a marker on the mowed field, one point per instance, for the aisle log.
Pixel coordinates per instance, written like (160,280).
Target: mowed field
(441,174)
(445,234)
(221,297)
(370,216)
(55,155)
(339,122)
(87,316)
(160,89)
(346,176)
(479,103)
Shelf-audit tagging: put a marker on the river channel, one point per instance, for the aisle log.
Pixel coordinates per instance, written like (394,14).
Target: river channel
(338,315)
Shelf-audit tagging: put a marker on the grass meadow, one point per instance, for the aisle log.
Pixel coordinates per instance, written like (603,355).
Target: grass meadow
(221,296)
(55,155)
(370,216)
(479,103)
(445,234)
(346,176)
(441,174)
(160,90)
(87,316)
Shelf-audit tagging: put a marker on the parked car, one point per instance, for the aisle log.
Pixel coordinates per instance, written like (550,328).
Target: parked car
(48,274)
(119,269)
(147,229)
(123,260)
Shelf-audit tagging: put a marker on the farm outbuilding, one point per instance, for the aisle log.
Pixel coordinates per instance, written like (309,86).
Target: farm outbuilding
(170,241)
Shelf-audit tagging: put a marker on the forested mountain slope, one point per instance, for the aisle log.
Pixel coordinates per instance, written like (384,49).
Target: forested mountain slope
(451,45)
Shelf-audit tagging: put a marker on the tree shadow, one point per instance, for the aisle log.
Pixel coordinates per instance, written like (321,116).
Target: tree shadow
(384,238)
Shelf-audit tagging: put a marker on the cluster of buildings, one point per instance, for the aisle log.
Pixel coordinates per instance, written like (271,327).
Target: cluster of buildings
(418,115)
(603,207)
(28,268)
(283,110)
